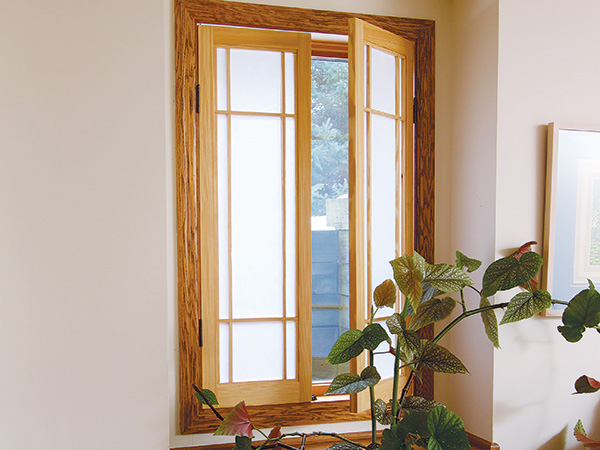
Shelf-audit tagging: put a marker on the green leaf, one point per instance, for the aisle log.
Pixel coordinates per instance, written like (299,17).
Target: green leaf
(439,359)
(507,273)
(447,431)
(347,346)
(409,273)
(373,335)
(396,323)
(526,304)
(463,261)
(236,423)
(412,424)
(432,311)
(583,312)
(210,396)
(586,385)
(351,383)
(344,446)
(490,322)
(415,403)
(352,343)
(409,340)
(380,409)
(385,294)
(242,443)
(446,278)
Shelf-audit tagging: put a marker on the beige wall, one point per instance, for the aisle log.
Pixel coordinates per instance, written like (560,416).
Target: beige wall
(83,281)
(548,73)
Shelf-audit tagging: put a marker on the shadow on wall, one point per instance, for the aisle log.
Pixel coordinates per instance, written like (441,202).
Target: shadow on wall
(559,441)
(556,442)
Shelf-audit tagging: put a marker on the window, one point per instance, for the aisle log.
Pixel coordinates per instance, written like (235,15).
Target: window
(198,187)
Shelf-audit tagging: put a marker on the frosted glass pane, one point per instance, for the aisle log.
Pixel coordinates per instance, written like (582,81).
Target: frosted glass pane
(256,80)
(385,361)
(221,79)
(257,351)
(223,216)
(401,82)
(290,216)
(368,293)
(383,197)
(366,79)
(290,351)
(224,353)
(383,81)
(290,84)
(256,217)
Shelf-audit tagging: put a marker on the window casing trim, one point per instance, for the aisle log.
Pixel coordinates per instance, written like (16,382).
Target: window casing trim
(190,13)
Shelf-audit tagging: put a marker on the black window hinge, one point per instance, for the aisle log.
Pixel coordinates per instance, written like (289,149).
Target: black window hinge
(198,98)
(200,332)
(415,108)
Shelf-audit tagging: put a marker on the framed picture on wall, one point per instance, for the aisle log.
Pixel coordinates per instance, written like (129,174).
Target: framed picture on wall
(572,215)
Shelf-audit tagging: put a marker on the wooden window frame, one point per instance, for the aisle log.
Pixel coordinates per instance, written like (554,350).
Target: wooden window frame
(190,13)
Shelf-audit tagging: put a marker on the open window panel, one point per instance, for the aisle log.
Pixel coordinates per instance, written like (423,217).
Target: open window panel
(255,202)
(381,169)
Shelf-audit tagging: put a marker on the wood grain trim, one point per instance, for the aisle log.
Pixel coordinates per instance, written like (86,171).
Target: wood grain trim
(330,49)
(293,414)
(189,13)
(478,443)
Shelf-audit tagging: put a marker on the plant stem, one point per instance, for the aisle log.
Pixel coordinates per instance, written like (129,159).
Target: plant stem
(560,302)
(396,380)
(372,398)
(462,300)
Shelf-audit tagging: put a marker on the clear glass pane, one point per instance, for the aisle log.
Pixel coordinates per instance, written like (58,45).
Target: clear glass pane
(256,217)
(290,349)
(221,79)
(256,80)
(290,217)
(383,81)
(383,198)
(224,353)
(329,221)
(223,216)
(290,84)
(257,351)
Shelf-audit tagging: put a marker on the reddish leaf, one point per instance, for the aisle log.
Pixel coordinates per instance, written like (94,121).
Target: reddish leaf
(236,423)
(586,441)
(525,248)
(274,434)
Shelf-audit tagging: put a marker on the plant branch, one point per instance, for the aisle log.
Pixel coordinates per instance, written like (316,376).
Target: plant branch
(465,315)
(560,302)
(395,385)
(219,416)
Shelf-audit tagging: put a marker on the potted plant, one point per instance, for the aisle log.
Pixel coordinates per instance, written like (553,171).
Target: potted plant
(413,422)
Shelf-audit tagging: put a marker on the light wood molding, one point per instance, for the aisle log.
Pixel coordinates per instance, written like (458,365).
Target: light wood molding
(190,13)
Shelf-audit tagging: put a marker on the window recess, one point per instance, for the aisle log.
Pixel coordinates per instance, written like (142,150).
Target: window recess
(200,204)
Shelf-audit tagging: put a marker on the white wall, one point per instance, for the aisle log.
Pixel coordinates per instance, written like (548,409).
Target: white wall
(547,72)
(83,280)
